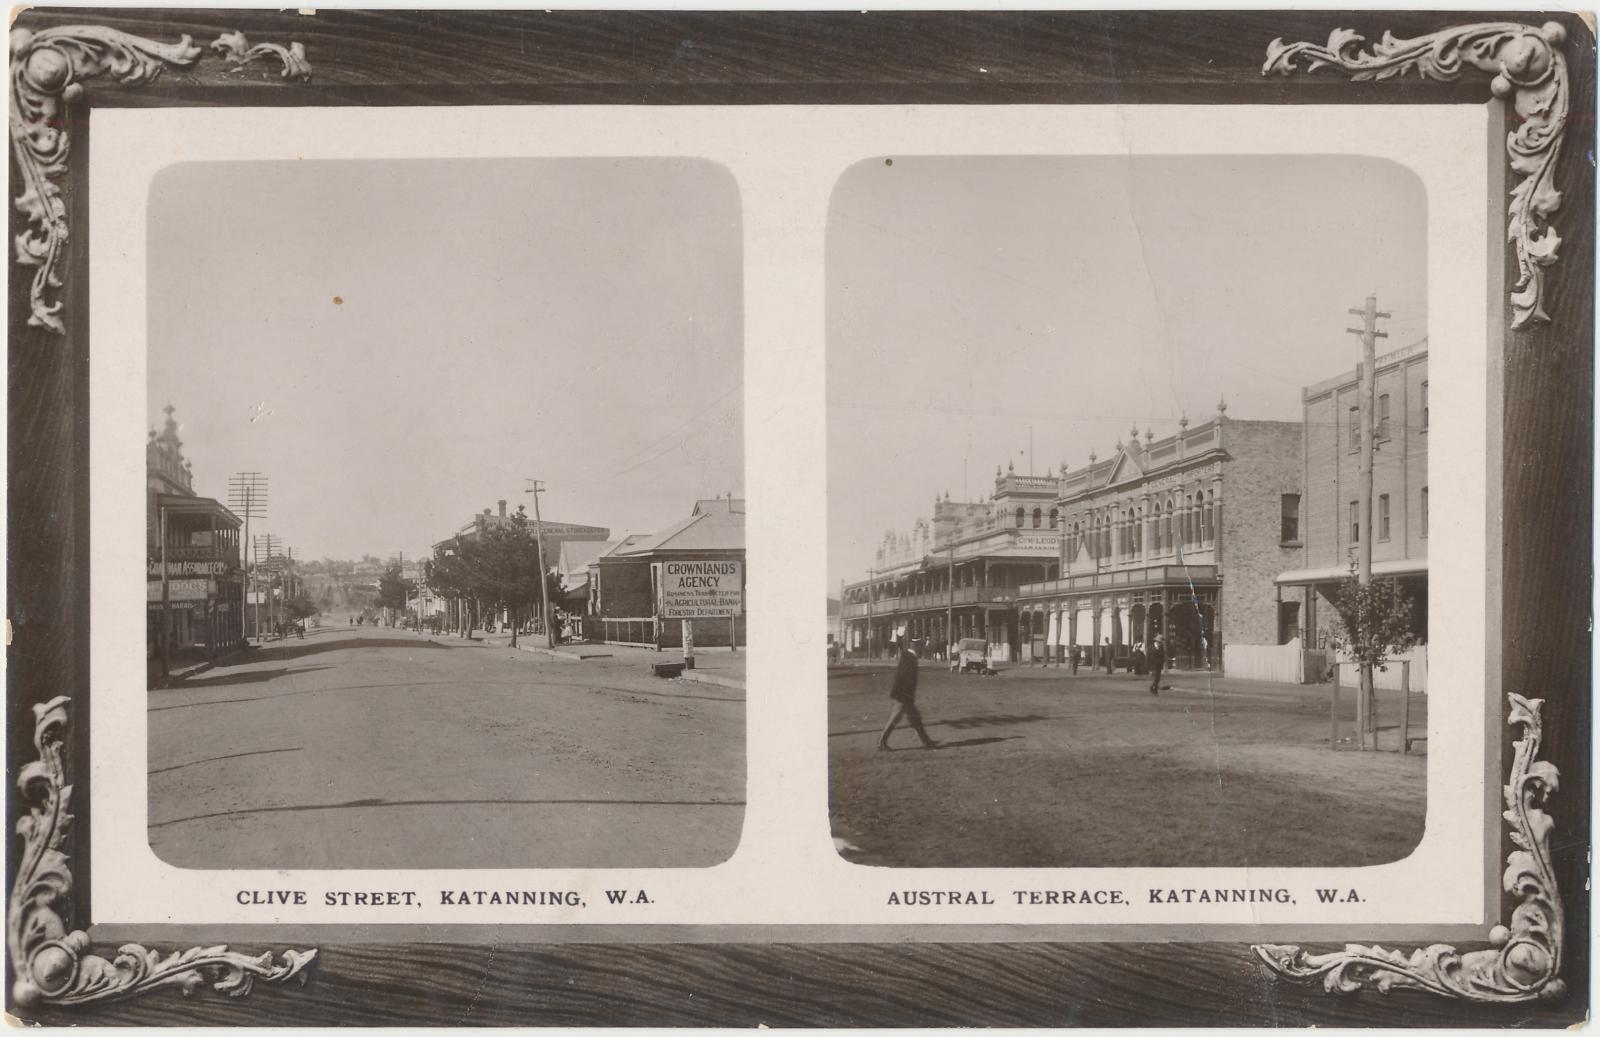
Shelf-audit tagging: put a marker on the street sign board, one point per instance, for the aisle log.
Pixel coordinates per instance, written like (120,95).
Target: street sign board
(186,568)
(180,590)
(701,590)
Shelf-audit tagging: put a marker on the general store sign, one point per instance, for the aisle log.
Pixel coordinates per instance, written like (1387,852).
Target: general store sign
(701,590)
(187,568)
(181,590)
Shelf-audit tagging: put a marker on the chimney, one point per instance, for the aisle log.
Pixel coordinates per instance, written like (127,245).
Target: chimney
(502,509)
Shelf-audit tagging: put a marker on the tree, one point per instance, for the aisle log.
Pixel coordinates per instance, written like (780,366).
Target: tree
(498,568)
(1376,622)
(394,590)
(300,607)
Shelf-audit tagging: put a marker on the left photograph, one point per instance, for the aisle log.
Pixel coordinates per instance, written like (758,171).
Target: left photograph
(445,514)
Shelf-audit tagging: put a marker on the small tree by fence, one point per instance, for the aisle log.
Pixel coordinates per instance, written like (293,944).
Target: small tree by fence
(1376,622)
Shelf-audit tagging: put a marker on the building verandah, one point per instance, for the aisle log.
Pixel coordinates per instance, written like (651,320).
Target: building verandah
(1106,615)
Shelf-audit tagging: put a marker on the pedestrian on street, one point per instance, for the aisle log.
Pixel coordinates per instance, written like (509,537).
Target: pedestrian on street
(1072,653)
(903,693)
(1156,660)
(1107,649)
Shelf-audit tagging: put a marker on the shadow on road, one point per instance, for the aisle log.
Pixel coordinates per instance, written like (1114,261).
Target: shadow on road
(283,652)
(995,720)
(966,743)
(241,677)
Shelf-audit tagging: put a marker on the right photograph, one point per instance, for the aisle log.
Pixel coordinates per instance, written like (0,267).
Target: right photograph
(1128,508)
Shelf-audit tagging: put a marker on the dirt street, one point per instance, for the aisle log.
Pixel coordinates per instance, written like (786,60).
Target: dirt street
(382,748)
(1042,769)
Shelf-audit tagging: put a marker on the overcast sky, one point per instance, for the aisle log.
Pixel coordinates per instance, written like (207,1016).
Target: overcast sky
(971,298)
(397,344)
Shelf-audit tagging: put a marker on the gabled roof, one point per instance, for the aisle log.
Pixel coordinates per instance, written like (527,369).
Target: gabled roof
(714,525)
(1125,468)
(577,554)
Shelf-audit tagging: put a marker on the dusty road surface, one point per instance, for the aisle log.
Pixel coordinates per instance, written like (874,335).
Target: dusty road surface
(381,748)
(1042,769)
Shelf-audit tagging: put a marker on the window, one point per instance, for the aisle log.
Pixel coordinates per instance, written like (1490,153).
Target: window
(1022,517)
(1382,431)
(1424,511)
(1210,528)
(1289,526)
(1038,516)
(1355,429)
(1355,522)
(1383,516)
(1424,406)
(1055,516)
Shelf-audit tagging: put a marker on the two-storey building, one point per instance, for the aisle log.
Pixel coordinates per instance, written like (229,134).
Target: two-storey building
(1327,513)
(958,574)
(1178,537)
(194,587)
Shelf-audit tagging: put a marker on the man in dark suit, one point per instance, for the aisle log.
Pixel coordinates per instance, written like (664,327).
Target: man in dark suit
(903,693)
(1156,661)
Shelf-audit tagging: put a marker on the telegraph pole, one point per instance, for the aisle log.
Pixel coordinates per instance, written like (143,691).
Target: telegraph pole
(544,594)
(247,494)
(1369,335)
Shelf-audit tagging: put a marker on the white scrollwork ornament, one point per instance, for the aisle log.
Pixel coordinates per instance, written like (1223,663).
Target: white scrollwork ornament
(1523,960)
(52,965)
(48,70)
(1527,68)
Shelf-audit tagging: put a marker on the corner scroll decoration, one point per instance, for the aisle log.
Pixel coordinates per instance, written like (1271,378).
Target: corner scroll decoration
(52,965)
(48,69)
(1527,67)
(1523,961)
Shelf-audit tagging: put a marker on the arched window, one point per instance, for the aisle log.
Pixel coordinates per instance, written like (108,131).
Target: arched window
(1055,516)
(1038,516)
(1210,518)
(1166,528)
(1022,515)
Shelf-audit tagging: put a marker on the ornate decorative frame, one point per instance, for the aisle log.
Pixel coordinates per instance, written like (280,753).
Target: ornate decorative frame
(1525,962)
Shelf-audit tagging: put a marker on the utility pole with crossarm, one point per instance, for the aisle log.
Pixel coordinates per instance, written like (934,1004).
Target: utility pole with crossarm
(1369,334)
(544,594)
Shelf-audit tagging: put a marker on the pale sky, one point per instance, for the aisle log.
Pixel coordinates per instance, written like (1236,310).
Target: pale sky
(971,298)
(397,344)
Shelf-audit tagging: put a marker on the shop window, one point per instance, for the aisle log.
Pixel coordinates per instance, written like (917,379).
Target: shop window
(1289,524)
(1383,516)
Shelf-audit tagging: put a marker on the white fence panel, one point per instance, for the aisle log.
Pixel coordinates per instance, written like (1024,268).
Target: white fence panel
(1280,663)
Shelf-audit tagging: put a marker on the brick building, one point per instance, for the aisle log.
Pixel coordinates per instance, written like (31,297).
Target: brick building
(1326,513)
(1179,536)
(623,585)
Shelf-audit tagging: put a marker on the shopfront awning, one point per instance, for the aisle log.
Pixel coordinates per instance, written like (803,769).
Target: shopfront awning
(1335,573)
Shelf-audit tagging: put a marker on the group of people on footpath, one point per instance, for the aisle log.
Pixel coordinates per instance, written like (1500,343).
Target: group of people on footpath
(903,690)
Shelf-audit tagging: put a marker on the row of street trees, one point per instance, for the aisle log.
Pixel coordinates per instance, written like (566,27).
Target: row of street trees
(498,569)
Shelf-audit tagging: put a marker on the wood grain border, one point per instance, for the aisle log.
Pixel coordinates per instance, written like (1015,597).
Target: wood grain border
(390,58)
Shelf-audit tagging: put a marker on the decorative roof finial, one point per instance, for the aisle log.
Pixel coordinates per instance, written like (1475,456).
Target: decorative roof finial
(1133,433)
(1222,405)
(1183,420)
(1093,457)
(1149,436)
(1011,466)
(997,471)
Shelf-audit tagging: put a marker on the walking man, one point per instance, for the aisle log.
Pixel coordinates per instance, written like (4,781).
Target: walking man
(903,693)
(1156,660)
(1107,649)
